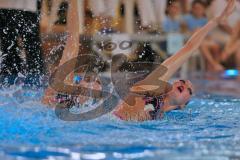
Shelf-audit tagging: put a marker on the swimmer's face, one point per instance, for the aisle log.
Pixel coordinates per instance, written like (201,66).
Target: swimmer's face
(181,93)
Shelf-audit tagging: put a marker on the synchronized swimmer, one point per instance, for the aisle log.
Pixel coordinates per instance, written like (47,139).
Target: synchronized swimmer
(151,107)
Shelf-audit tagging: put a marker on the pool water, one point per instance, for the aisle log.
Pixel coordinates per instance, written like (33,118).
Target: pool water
(207,129)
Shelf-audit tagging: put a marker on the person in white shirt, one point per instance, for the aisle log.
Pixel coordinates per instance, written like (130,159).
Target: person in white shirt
(152,12)
(211,47)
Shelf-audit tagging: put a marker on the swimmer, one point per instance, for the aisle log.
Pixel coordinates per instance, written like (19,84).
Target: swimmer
(153,107)
(149,107)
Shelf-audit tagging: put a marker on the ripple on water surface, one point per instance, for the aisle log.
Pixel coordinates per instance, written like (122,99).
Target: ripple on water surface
(208,127)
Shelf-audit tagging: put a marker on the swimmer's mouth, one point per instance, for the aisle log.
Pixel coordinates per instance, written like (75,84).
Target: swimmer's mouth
(180,89)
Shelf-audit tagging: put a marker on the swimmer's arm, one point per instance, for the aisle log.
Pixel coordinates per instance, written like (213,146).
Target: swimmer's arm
(72,44)
(71,48)
(174,62)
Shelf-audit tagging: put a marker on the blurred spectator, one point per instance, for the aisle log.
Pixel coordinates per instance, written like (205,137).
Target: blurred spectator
(211,46)
(186,5)
(172,23)
(218,5)
(222,34)
(152,13)
(211,51)
(197,18)
(20,22)
(173,19)
(231,49)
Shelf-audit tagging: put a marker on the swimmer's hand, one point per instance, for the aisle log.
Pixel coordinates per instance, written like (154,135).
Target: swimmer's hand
(226,12)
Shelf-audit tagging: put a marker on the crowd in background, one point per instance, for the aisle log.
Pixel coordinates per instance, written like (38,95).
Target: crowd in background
(22,21)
